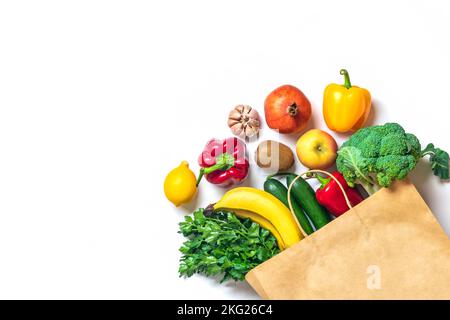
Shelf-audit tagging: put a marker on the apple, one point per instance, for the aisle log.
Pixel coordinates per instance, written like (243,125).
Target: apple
(316,149)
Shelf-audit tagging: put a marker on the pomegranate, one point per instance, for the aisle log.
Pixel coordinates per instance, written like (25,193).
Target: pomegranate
(287,109)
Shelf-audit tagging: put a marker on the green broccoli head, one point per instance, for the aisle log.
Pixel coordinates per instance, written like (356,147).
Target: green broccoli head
(378,155)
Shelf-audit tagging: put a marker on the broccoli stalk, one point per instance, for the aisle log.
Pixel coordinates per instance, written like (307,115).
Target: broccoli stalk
(351,164)
(369,187)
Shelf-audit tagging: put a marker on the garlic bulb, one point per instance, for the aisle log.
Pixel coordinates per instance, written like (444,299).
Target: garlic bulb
(244,121)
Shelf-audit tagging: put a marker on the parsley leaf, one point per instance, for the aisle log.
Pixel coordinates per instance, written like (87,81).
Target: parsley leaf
(223,244)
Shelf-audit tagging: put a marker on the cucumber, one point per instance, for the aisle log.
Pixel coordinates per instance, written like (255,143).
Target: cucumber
(305,196)
(277,189)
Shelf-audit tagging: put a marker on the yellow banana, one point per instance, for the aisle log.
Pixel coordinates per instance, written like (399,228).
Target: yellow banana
(263,222)
(265,205)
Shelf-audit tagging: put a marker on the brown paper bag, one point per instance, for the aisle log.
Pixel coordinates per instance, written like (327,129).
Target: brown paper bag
(389,246)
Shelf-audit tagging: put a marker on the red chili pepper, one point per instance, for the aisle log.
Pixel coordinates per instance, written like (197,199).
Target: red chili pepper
(330,194)
(224,162)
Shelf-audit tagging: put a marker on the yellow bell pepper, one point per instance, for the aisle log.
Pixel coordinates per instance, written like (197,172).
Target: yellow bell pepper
(345,107)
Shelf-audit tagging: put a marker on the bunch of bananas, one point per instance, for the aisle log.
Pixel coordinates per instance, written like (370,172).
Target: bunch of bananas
(264,209)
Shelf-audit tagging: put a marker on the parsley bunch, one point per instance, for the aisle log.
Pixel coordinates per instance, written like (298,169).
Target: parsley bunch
(221,243)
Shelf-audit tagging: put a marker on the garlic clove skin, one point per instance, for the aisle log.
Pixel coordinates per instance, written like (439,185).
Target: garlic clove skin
(253,123)
(246,109)
(249,132)
(235,115)
(232,122)
(238,129)
(239,108)
(253,114)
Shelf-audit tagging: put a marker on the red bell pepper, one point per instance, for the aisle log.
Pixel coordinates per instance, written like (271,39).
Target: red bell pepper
(330,194)
(224,162)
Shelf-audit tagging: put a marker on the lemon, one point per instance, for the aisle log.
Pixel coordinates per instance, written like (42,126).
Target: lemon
(180,184)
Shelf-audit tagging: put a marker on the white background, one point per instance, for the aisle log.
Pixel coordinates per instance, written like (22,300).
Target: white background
(100,99)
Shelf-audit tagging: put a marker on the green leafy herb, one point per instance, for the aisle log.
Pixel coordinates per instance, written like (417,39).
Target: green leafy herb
(223,244)
(439,160)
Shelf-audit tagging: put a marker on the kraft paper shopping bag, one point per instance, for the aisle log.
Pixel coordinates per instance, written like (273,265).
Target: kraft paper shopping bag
(390,246)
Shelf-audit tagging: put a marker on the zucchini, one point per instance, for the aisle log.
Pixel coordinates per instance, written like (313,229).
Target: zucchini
(305,196)
(277,189)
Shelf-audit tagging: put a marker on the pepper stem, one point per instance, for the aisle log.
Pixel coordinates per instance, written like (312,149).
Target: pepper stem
(200,176)
(323,181)
(347,83)
(223,162)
